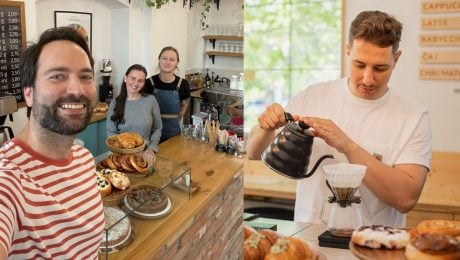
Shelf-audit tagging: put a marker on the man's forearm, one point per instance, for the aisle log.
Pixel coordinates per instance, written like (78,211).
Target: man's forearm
(258,140)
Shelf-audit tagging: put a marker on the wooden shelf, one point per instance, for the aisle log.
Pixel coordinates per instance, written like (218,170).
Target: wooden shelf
(223,37)
(213,54)
(214,38)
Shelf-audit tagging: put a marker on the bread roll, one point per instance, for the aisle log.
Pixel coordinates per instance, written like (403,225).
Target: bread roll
(291,248)
(433,247)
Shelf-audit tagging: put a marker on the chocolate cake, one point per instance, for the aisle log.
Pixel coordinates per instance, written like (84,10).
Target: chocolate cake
(147,199)
(115,234)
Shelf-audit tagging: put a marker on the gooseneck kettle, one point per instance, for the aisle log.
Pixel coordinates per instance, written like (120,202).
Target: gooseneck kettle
(289,153)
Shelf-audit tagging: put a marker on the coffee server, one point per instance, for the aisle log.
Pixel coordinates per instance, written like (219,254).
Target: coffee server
(105,88)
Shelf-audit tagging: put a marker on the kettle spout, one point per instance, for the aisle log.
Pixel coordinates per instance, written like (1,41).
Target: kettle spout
(330,156)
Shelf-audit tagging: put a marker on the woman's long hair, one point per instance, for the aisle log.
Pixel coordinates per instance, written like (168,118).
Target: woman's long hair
(119,115)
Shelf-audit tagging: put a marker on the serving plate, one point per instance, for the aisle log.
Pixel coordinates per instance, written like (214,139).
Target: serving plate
(115,196)
(128,209)
(121,245)
(366,253)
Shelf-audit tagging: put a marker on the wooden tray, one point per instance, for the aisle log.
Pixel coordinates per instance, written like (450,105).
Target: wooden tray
(366,253)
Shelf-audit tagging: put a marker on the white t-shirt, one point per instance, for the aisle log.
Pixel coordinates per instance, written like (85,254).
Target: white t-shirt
(396,129)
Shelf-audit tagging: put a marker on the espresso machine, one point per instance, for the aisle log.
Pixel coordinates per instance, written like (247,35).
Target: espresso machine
(105,88)
(8,105)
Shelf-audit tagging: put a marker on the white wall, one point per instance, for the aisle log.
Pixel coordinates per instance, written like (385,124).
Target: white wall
(438,96)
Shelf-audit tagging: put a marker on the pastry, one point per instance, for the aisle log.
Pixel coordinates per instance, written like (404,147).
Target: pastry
(127,140)
(126,164)
(256,246)
(139,163)
(247,231)
(438,226)
(113,141)
(291,248)
(378,236)
(110,163)
(116,232)
(147,199)
(433,246)
(103,185)
(119,180)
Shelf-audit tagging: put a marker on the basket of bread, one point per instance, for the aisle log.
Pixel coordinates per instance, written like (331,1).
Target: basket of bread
(430,239)
(271,245)
(125,143)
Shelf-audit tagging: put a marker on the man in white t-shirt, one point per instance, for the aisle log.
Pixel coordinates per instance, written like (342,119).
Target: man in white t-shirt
(360,120)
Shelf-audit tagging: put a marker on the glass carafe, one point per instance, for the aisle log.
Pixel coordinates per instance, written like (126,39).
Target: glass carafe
(340,220)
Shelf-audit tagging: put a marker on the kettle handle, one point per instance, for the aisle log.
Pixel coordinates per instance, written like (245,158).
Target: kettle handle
(330,156)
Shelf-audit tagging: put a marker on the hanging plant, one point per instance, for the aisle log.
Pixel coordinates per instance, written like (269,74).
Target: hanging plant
(206,8)
(157,3)
(204,12)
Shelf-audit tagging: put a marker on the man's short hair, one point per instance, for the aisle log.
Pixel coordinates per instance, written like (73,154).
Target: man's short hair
(376,27)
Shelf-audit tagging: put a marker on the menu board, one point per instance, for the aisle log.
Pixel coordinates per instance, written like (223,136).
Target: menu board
(439,40)
(12,40)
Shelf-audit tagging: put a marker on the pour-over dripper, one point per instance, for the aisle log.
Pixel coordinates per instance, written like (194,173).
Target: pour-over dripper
(344,179)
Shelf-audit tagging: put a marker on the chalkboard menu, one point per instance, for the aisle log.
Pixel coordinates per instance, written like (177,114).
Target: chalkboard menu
(12,40)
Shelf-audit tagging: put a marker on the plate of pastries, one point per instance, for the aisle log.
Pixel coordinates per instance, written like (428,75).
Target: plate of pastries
(430,239)
(125,143)
(270,245)
(112,185)
(133,164)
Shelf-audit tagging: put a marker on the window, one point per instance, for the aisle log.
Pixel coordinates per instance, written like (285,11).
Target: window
(289,44)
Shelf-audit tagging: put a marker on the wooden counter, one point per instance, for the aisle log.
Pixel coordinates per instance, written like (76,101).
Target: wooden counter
(194,229)
(440,197)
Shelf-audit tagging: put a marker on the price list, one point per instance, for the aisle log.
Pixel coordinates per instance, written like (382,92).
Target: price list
(10,49)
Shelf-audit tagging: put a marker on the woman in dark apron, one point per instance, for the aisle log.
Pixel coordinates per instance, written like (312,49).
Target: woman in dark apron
(171,91)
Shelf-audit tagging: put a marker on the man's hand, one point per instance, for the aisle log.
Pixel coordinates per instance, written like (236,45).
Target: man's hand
(332,134)
(273,117)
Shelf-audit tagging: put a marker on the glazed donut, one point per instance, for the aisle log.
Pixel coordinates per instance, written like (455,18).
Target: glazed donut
(139,163)
(125,163)
(439,226)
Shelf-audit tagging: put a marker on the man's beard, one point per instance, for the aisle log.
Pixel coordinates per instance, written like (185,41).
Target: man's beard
(47,116)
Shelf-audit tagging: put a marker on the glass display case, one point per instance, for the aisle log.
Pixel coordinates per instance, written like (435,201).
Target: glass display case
(152,197)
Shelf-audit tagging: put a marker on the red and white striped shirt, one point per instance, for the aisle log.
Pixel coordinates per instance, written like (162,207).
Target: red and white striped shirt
(49,208)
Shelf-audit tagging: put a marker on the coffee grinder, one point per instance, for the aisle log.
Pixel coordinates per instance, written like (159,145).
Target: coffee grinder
(341,212)
(8,105)
(105,88)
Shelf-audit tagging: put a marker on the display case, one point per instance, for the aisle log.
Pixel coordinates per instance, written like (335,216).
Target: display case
(152,197)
